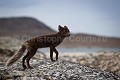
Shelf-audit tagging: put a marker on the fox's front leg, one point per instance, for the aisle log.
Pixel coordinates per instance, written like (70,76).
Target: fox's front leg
(54,49)
(51,54)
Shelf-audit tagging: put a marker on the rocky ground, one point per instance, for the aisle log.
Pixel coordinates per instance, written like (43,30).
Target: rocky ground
(108,61)
(94,66)
(60,70)
(66,68)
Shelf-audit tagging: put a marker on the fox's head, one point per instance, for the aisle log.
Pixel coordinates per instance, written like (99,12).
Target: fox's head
(64,31)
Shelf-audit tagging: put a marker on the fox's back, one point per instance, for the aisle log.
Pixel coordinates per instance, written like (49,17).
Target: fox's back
(44,41)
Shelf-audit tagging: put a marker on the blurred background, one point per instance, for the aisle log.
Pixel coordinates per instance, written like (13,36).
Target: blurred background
(94,24)
(94,27)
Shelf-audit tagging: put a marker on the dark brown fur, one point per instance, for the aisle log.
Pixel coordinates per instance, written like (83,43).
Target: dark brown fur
(41,42)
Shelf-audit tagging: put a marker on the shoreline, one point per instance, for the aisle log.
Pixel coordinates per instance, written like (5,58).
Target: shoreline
(76,54)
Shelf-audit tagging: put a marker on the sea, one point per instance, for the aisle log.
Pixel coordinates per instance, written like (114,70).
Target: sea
(81,50)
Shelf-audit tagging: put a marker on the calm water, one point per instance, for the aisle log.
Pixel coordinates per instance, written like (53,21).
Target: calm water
(74,50)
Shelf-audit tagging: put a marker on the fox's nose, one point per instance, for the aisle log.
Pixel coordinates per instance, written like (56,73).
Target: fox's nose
(68,35)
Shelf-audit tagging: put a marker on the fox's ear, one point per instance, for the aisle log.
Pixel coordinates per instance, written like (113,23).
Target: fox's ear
(60,27)
(65,26)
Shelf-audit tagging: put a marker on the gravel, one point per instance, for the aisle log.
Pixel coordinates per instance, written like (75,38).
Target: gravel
(60,70)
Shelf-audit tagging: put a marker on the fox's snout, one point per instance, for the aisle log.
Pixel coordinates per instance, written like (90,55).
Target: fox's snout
(68,35)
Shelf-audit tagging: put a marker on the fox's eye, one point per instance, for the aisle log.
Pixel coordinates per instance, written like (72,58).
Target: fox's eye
(65,31)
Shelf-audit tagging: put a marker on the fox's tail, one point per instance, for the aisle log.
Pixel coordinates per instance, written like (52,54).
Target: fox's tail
(16,56)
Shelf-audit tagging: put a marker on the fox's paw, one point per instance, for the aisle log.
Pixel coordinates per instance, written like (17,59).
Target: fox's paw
(30,67)
(53,60)
(24,67)
(56,59)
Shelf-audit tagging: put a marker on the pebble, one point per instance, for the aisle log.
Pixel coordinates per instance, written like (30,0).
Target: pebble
(60,70)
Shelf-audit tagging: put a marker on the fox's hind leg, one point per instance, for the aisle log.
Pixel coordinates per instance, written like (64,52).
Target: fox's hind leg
(23,61)
(31,54)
